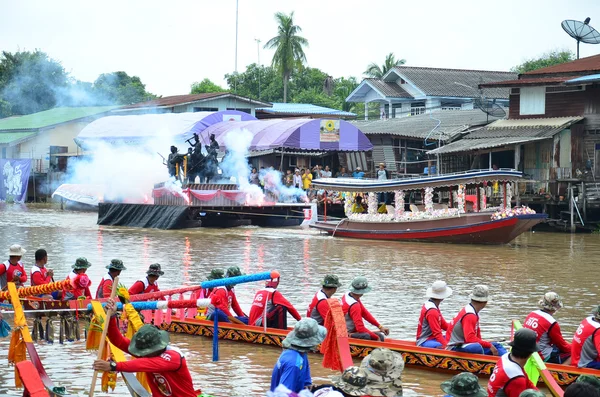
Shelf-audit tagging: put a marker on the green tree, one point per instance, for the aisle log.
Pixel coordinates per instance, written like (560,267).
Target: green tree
(206,86)
(120,88)
(342,87)
(289,53)
(376,71)
(550,58)
(247,83)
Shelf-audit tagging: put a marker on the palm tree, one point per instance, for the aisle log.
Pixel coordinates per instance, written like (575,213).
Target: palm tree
(376,71)
(289,54)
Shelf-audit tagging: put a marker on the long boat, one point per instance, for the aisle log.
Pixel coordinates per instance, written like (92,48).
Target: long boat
(440,223)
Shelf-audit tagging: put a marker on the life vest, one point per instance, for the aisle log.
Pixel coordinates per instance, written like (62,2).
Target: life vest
(583,349)
(228,294)
(262,303)
(456,334)
(506,371)
(10,271)
(99,291)
(424,330)
(312,311)
(36,269)
(541,323)
(347,303)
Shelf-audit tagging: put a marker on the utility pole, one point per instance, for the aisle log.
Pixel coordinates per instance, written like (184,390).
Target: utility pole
(236,53)
(258,68)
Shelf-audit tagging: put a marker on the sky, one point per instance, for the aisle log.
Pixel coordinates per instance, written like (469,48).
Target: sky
(169,45)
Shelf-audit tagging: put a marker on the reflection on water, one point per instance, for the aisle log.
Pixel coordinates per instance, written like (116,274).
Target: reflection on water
(399,272)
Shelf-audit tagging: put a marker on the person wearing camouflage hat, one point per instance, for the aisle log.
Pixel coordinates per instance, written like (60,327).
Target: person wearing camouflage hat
(269,304)
(355,312)
(115,267)
(532,393)
(215,274)
(79,267)
(554,348)
(581,389)
(591,380)
(352,382)
(586,342)
(319,308)
(384,372)
(464,384)
(149,283)
(223,299)
(165,366)
(464,330)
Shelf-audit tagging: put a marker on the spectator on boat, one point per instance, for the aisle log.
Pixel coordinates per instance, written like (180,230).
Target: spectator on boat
(431,322)
(384,372)
(12,270)
(464,333)
(79,286)
(358,206)
(106,284)
(509,378)
(319,308)
(382,175)
(342,173)
(464,384)
(215,274)
(306,179)
(581,390)
(149,283)
(271,304)
(355,312)
(554,348)
(254,179)
(293,368)
(358,174)
(165,365)
(326,173)
(297,179)
(223,299)
(585,349)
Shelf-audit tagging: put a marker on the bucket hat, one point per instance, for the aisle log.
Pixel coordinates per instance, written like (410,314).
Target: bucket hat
(307,334)
(148,340)
(116,264)
(360,285)
(154,270)
(463,385)
(480,293)
(383,366)
(331,281)
(216,274)
(531,393)
(439,290)
(353,381)
(81,263)
(233,271)
(524,341)
(16,250)
(589,379)
(551,301)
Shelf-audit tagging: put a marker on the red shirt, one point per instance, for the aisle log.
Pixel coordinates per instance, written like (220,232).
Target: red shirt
(167,374)
(224,299)
(509,377)
(10,270)
(143,287)
(586,330)
(548,332)
(318,308)
(105,287)
(355,312)
(76,291)
(39,276)
(272,297)
(431,324)
(464,328)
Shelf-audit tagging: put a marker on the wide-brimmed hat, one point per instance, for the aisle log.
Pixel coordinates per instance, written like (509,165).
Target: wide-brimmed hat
(353,381)
(154,270)
(463,385)
(532,393)
(550,301)
(116,264)
(306,335)
(81,263)
(525,341)
(385,389)
(438,290)
(383,365)
(233,271)
(360,285)
(589,379)
(148,340)
(480,293)
(331,281)
(16,250)
(216,274)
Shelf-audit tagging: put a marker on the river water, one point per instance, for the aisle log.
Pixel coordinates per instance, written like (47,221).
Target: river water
(518,274)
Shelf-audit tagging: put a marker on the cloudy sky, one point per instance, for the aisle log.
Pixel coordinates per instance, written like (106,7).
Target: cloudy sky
(172,44)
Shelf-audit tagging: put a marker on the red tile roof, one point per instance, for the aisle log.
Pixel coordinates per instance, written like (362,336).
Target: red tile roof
(588,64)
(529,81)
(183,99)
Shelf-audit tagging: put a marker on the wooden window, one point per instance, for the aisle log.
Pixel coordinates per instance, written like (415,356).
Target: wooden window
(533,100)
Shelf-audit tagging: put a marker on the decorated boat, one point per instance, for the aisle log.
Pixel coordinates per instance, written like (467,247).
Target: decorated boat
(460,215)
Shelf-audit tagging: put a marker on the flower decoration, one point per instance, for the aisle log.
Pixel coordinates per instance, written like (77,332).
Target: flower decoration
(482,199)
(509,213)
(399,204)
(372,204)
(460,199)
(428,199)
(348,201)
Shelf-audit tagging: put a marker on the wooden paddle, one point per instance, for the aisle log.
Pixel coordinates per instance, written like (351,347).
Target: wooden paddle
(109,314)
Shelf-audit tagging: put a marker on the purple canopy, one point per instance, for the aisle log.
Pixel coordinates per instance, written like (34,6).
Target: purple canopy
(298,134)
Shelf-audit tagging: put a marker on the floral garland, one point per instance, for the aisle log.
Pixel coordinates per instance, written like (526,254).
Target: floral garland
(508,213)
(406,217)
(509,194)
(482,199)
(399,207)
(372,204)
(428,199)
(460,199)
(348,202)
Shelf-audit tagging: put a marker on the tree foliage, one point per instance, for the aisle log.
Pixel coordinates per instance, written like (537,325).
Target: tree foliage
(376,71)
(120,88)
(205,86)
(550,58)
(257,78)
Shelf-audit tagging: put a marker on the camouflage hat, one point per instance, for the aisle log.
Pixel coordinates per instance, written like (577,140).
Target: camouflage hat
(116,264)
(233,271)
(360,285)
(154,270)
(331,281)
(307,334)
(480,293)
(550,301)
(590,379)
(148,340)
(531,393)
(81,263)
(383,365)
(596,313)
(353,381)
(463,385)
(216,274)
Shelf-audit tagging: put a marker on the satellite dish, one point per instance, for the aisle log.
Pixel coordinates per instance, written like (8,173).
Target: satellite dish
(489,107)
(581,31)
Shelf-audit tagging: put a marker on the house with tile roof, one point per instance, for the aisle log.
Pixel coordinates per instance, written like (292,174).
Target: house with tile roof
(304,110)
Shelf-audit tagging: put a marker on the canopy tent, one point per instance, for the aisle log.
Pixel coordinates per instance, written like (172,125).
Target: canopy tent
(173,127)
(298,134)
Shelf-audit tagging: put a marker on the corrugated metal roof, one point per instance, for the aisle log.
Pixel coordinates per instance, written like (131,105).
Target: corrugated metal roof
(580,65)
(584,79)
(389,89)
(544,127)
(258,153)
(50,117)
(304,109)
(176,100)
(528,81)
(12,138)
(467,145)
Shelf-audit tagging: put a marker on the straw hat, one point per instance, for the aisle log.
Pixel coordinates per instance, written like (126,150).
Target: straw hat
(306,335)
(16,250)
(480,293)
(439,290)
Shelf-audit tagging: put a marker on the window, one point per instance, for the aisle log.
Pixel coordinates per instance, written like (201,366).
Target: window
(515,90)
(533,100)
(206,109)
(245,110)
(559,88)
(58,163)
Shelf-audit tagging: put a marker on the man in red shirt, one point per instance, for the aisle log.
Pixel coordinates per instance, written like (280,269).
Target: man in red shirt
(319,308)
(271,305)
(40,274)
(215,274)
(165,366)
(585,349)
(509,378)
(355,312)
(80,286)
(12,269)
(431,321)
(106,284)
(554,348)
(224,299)
(149,283)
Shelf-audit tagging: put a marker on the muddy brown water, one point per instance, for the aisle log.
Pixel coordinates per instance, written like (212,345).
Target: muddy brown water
(518,274)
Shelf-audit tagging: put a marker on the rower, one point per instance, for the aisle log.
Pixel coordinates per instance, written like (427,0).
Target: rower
(106,284)
(431,321)
(554,348)
(224,299)
(355,312)
(464,334)
(509,378)
(271,304)
(41,275)
(12,269)
(319,308)
(585,349)
(80,286)
(149,283)
(215,274)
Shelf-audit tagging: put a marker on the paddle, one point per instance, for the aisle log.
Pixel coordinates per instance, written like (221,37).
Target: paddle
(109,314)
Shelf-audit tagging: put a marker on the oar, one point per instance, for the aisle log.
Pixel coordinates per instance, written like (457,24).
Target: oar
(109,314)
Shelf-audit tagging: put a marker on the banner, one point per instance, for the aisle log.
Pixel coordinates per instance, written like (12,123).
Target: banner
(14,180)
(330,131)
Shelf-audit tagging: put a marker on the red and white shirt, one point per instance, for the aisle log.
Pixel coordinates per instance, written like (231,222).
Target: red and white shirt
(464,328)
(143,287)
(508,379)
(224,299)
(431,324)
(264,301)
(318,308)
(548,332)
(7,272)
(586,343)
(39,276)
(105,287)
(354,313)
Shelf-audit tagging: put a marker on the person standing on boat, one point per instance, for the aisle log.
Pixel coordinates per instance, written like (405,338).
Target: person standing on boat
(80,286)
(223,298)
(271,304)
(106,284)
(149,283)
(464,334)
(355,312)
(293,368)
(382,175)
(319,308)
(12,269)
(509,378)
(585,350)
(554,347)
(431,321)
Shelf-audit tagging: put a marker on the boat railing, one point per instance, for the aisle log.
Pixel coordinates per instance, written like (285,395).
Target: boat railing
(424,177)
